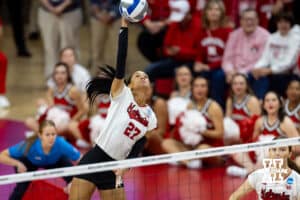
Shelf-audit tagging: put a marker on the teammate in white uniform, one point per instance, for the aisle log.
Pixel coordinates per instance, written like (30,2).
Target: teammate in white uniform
(286,189)
(128,120)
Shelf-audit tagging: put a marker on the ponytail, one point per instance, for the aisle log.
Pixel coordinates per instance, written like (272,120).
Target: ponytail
(100,84)
(293,165)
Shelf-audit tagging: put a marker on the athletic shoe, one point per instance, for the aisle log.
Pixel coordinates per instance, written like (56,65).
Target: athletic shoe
(28,134)
(236,171)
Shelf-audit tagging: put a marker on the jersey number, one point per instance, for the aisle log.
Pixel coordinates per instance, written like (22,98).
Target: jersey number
(131,131)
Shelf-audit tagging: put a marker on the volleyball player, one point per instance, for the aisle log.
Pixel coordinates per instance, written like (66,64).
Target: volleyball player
(288,188)
(128,120)
(43,150)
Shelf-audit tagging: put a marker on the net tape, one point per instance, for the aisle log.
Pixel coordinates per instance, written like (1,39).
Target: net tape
(144,161)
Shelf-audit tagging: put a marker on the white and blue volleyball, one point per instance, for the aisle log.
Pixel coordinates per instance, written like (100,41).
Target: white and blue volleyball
(134,10)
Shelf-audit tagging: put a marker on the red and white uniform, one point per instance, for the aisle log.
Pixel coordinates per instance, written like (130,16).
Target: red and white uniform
(268,130)
(63,100)
(240,111)
(210,125)
(242,116)
(211,46)
(3,70)
(126,123)
(293,114)
(288,189)
(86,127)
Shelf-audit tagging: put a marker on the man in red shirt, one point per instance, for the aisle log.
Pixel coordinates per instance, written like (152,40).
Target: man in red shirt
(180,42)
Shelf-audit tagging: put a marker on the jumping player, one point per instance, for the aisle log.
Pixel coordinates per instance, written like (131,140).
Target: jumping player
(128,120)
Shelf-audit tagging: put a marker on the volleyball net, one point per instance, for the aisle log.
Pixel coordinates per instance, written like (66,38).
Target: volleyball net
(153,177)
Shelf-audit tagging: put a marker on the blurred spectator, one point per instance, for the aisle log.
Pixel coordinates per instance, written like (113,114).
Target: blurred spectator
(235,8)
(242,107)
(59,23)
(33,28)
(211,46)
(87,130)
(243,49)
(159,106)
(292,103)
(279,56)
(4,103)
(269,9)
(181,96)
(180,42)
(197,130)
(80,76)
(15,9)
(104,27)
(150,40)
(64,100)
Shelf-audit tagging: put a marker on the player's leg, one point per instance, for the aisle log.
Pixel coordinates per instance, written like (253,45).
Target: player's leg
(113,194)
(81,189)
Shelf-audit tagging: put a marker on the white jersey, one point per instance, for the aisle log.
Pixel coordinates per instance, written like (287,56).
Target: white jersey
(80,78)
(288,189)
(126,123)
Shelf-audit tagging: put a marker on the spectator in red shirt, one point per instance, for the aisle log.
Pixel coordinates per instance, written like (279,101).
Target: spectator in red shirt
(211,45)
(4,103)
(180,43)
(150,40)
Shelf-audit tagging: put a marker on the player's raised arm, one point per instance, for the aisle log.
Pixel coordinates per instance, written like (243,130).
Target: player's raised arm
(118,82)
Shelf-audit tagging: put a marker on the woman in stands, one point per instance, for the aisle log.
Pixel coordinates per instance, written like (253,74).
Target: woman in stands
(212,112)
(43,150)
(286,188)
(127,122)
(273,123)
(64,96)
(211,45)
(242,106)
(292,103)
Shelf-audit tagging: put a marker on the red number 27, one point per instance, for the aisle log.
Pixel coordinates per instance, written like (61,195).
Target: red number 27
(131,131)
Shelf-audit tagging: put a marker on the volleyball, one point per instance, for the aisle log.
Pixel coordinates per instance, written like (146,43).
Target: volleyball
(134,10)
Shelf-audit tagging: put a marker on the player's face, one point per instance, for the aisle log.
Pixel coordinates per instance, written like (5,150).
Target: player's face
(213,13)
(293,91)
(48,136)
(139,80)
(200,88)
(68,57)
(239,85)
(183,77)
(271,103)
(279,153)
(60,75)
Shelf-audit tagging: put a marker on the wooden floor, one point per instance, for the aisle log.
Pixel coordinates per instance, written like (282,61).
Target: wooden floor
(25,80)
(158,182)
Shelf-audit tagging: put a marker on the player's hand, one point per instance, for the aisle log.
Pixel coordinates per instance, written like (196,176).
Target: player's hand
(67,189)
(21,168)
